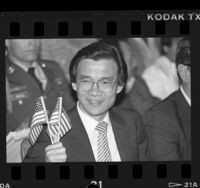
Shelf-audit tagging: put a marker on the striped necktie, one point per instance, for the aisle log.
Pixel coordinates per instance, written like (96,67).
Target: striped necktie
(103,150)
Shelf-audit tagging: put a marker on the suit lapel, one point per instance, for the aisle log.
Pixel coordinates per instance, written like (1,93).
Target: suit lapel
(80,144)
(183,108)
(120,134)
(184,113)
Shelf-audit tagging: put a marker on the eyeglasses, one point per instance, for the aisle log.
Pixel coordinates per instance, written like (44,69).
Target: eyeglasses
(104,85)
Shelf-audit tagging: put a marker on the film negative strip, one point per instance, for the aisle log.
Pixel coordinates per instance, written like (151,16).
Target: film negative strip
(61,36)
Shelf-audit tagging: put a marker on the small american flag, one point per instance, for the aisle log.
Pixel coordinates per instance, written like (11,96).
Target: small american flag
(39,117)
(65,123)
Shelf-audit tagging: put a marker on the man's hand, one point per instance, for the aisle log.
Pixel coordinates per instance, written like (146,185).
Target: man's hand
(55,153)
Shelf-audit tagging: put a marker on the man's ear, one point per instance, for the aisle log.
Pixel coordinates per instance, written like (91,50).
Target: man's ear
(7,43)
(182,71)
(119,88)
(74,86)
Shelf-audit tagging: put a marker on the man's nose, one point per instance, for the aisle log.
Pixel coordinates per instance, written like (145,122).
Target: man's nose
(94,90)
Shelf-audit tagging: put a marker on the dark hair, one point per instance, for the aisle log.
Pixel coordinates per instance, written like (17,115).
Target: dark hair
(183,52)
(166,42)
(97,51)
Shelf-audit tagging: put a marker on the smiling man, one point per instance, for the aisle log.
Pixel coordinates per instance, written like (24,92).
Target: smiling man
(100,132)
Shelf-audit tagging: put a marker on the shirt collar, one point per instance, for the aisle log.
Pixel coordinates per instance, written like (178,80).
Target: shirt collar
(37,68)
(91,123)
(24,67)
(185,95)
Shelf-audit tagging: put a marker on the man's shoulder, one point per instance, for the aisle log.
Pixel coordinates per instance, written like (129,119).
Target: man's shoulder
(52,69)
(13,69)
(124,114)
(50,64)
(128,119)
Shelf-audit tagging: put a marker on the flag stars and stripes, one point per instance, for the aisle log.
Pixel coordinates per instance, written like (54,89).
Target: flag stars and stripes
(65,123)
(38,119)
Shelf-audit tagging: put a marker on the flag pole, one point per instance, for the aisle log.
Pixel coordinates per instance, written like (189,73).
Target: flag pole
(59,114)
(47,119)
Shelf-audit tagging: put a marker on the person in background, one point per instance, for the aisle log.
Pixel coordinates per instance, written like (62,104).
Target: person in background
(12,124)
(168,123)
(28,77)
(137,92)
(161,77)
(100,132)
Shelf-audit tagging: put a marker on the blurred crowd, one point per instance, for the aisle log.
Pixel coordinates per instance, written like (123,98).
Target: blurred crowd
(152,76)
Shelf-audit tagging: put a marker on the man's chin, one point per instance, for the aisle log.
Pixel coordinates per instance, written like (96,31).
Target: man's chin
(32,57)
(97,117)
(95,113)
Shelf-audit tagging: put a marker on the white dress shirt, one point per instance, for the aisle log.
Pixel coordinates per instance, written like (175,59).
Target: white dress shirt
(90,124)
(185,95)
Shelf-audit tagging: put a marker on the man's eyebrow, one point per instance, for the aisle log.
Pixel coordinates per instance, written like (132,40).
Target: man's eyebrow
(84,76)
(105,77)
(108,78)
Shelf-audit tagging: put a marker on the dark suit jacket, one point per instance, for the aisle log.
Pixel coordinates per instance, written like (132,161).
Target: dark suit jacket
(168,126)
(128,131)
(139,97)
